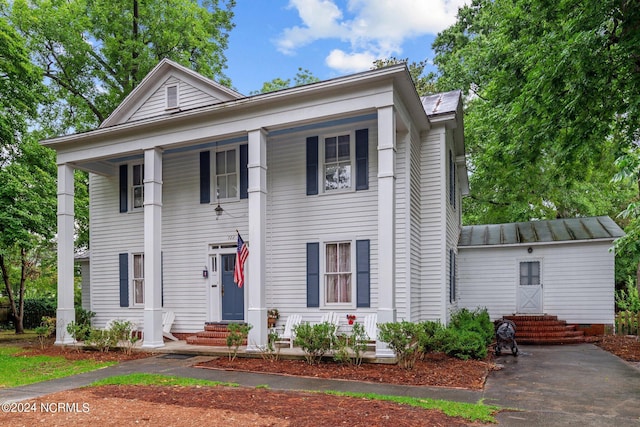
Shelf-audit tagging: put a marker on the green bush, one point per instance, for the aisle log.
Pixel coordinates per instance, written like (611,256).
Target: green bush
(460,343)
(628,299)
(238,332)
(477,321)
(102,339)
(428,343)
(37,308)
(315,340)
(404,339)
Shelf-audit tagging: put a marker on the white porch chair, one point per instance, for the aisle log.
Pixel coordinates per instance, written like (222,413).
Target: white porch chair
(287,335)
(167,322)
(371,326)
(332,318)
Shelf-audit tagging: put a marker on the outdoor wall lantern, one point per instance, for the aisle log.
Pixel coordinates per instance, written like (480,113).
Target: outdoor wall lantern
(218,208)
(530,249)
(205,272)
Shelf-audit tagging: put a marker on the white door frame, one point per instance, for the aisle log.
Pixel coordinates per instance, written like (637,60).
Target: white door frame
(529,298)
(214,281)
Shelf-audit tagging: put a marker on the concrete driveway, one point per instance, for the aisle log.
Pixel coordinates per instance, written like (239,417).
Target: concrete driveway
(566,385)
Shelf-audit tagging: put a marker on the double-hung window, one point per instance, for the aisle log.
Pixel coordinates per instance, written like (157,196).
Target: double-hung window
(338,274)
(138,279)
(337,162)
(226,174)
(137,186)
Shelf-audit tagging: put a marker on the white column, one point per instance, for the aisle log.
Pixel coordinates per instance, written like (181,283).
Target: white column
(257,312)
(386,222)
(66,312)
(152,249)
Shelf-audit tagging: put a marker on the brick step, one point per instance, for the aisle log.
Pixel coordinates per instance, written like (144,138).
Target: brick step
(548,334)
(545,328)
(212,334)
(534,318)
(215,327)
(534,323)
(547,341)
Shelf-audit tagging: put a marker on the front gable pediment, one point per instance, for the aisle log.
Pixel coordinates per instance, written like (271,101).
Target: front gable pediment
(168,88)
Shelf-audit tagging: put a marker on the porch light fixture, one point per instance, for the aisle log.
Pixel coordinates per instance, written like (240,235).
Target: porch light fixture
(218,208)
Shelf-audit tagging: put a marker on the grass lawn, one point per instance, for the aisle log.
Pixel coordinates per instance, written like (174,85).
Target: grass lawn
(24,369)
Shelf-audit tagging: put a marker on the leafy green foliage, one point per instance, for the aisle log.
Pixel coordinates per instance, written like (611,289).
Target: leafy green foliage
(461,343)
(425,83)
(302,77)
(238,333)
(552,102)
(404,339)
(44,331)
(428,342)
(477,321)
(315,340)
(36,309)
(628,299)
(350,347)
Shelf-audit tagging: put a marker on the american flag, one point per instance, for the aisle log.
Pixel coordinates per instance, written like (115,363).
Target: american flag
(241,257)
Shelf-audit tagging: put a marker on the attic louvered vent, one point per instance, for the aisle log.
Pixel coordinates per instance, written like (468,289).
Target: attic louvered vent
(172,97)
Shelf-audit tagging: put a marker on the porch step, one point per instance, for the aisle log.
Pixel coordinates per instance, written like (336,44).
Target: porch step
(545,329)
(214,334)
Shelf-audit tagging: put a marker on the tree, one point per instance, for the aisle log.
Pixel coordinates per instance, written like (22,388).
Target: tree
(552,101)
(27,217)
(425,83)
(20,86)
(302,77)
(94,52)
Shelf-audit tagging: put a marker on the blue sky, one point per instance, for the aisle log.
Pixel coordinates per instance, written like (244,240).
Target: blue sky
(330,38)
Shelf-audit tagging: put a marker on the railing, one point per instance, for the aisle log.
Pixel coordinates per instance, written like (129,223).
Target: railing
(627,323)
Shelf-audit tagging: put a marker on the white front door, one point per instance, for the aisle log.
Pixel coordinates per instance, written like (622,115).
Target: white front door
(529,288)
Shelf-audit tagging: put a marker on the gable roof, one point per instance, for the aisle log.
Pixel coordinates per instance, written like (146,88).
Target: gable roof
(210,91)
(558,230)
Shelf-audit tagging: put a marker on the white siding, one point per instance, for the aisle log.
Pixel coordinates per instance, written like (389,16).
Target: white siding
(432,184)
(402,254)
(453,223)
(295,219)
(188,97)
(578,280)
(415,206)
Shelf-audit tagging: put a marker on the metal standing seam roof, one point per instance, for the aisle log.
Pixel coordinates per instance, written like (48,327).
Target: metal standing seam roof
(441,103)
(558,230)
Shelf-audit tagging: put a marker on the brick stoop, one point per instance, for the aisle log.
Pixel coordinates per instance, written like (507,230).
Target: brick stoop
(214,334)
(545,329)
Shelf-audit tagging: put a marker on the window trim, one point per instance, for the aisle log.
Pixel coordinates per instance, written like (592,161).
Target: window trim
(130,187)
(214,173)
(322,161)
(166,96)
(453,268)
(133,279)
(529,262)
(352,272)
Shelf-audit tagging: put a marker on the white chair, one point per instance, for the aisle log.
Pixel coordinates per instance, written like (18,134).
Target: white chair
(287,335)
(167,322)
(371,326)
(332,318)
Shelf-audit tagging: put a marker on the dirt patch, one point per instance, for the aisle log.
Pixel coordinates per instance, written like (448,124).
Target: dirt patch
(626,347)
(197,406)
(436,370)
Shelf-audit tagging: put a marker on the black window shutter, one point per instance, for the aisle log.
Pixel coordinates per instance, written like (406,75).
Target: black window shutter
(313,274)
(362,159)
(205,177)
(244,171)
(124,183)
(363,274)
(124,280)
(312,166)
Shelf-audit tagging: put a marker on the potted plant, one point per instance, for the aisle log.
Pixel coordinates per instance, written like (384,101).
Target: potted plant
(272,316)
(351,318)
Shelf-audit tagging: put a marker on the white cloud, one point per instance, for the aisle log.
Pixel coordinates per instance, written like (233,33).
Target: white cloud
(372,28)
(350,62)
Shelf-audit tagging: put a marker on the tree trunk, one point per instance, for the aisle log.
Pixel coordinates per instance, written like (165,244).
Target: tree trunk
(17,315)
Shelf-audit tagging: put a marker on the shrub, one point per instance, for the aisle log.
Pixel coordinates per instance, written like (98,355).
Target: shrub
(79,332)
(46,328)
(102,339)
(315,340)
(628,299)
(123,332)
(238,332)
(461,343)
(477,321)
(428,342)
(404,339)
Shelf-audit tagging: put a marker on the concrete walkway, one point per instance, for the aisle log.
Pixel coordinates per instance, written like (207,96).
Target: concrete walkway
(576,385)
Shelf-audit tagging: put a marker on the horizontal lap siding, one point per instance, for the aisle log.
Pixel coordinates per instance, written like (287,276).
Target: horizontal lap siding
(578,280)
(402,255)
(432,188)
(453,226)
(189,97)
(415,207)
(295,219)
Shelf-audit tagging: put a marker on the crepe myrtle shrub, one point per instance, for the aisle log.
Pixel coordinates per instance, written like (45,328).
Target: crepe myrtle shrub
(102,339)
(123,333)
(315,340)
(477,321)
(45,330)
(237,334)
(404,339)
